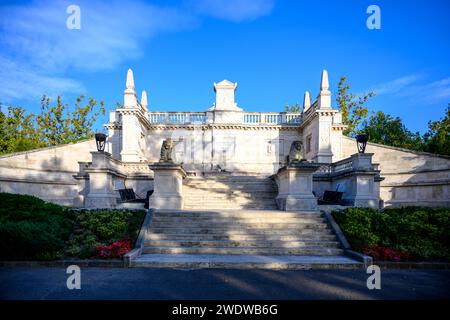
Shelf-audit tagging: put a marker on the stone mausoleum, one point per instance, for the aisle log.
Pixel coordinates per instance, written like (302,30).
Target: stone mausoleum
(226,157)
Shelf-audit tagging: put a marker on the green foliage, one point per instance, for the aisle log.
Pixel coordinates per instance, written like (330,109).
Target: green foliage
(95,228)
(384,129)
(17,131)
(293,108)
(437,139)
(33,229)
(55,124)
(422,232)
(352,107)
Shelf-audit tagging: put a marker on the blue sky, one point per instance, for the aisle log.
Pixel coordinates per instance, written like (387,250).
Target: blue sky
(273,49)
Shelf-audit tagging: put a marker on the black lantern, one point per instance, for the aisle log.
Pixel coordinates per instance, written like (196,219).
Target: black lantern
(361,141)
(100,140)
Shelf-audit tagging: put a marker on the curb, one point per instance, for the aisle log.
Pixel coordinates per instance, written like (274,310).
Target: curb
(412,265)
(121,264)
(65,263)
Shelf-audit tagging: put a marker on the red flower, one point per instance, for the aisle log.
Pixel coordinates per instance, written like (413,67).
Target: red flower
(385,253)
(115,250)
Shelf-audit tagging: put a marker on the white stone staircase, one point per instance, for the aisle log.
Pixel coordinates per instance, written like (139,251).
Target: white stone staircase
(226,191)
(240,239)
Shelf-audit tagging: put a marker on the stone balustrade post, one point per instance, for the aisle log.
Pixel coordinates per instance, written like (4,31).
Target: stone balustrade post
(295,186)
(101,181)
(167,186)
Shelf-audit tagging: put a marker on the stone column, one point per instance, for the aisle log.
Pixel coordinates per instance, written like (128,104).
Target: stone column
(295,187)
(167,186)
(365,191)
(101,187)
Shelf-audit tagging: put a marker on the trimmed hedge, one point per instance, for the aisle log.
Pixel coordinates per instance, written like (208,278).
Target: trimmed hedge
(32,229)
(414,232)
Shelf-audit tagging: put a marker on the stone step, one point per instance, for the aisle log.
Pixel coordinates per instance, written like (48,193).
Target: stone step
(242,243)
(191,198)
(231,178)
(223,220)
(253,207)
(313,250)
(230,205)
(240,237)
(237,214)
(236,224)
(228,189)
(229,231)
(245,262)
(225,199)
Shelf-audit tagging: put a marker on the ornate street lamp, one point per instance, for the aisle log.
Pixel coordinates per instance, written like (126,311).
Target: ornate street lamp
(361,142)
(100,140)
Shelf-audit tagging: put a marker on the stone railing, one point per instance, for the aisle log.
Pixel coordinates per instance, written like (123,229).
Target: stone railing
(344,164)
(130,168)
(202,117)
(177,117)
(272,118)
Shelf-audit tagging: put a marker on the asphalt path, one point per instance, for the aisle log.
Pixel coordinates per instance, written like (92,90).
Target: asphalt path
(42,283)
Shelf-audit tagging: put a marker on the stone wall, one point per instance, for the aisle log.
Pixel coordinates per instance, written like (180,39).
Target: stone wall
(46,173)
(258,149)
(411,178)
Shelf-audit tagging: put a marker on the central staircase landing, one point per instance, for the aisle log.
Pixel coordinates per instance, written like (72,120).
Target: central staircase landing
(267,239)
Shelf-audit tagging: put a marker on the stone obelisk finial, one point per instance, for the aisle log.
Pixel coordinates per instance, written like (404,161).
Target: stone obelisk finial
(129,97)
(324,100)
(306,101)
(144,102)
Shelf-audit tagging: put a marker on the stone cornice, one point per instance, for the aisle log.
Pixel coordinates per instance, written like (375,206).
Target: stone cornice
(312,114)
(138,112)
(113,125)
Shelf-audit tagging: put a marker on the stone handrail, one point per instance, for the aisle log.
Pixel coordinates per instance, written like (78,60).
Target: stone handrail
(341,165)
(272,118)
(249,117)
(177,117)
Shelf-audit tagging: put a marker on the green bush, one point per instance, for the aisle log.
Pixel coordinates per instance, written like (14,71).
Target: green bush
(422,232)
(32,229)
(94,228)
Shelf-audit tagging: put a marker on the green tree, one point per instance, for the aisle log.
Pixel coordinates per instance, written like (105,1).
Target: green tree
(384,129)
(59,125)
(437,138)
(55,124)
(293,108)
(353,108)
(17,131)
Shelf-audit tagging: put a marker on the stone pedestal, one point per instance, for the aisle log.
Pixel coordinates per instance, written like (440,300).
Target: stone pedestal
(295,187)
(167,186)
(101,172)
(364,191)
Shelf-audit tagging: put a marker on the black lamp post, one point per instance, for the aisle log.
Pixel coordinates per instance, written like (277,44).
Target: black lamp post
(100,140)
(361,142)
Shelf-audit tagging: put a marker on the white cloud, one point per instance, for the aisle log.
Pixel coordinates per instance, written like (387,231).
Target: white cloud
(396,85)
(38,52)
(38,49)
(17,82)
(233,10)
(413,87)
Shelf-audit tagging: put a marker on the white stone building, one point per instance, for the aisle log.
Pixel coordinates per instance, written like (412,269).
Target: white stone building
(225,139)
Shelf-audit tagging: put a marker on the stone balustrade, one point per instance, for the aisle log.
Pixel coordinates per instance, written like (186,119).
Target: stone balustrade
(177,117)
(249,117)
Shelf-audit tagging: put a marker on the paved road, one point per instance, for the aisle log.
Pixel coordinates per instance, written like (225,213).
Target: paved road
(115,283)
